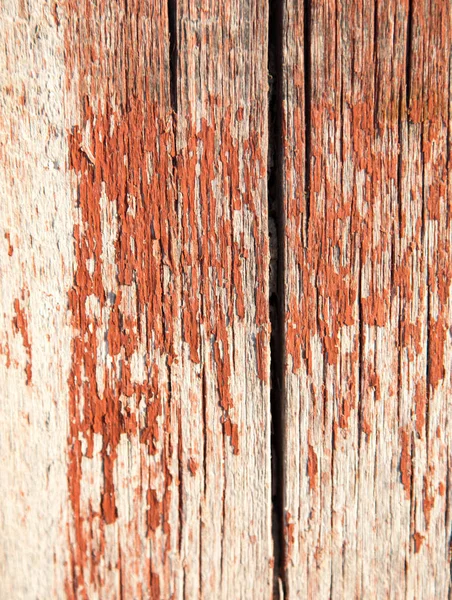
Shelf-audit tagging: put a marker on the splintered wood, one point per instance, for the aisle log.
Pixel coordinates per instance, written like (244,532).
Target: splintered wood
(135,363)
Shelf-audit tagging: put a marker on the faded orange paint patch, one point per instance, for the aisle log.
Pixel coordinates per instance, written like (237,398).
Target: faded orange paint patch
(20,324)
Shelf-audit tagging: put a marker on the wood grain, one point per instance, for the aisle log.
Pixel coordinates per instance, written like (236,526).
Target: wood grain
(366,120)
(142,144)
(221,143)
(36,260)
(152,228)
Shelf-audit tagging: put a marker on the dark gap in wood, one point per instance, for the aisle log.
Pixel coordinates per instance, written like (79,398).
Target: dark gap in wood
(172,33)
(448,133)
(412,498)
(307,109)
(121,574)
(276,282)
(181,486)
(376,67)
(409,44)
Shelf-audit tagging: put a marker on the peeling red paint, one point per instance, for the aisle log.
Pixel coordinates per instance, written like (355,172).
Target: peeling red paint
(429,500)
(420,399)
(418,540)
(436,351)
(112,159)
(312,468)
(4,349)
(20,323)
(177,258)
(212,268)
(367,278)
(10,247)
(154,510)
(193,466)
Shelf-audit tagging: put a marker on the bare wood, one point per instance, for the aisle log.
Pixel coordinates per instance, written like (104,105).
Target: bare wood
(35,272)
(367,272)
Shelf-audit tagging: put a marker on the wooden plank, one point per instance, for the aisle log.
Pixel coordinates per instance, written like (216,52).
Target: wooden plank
(123,446)
(134,350)
(366,118)
(221,142)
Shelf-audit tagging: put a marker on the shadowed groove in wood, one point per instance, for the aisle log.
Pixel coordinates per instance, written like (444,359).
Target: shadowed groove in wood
(173,49)
(307,109)
(276,290)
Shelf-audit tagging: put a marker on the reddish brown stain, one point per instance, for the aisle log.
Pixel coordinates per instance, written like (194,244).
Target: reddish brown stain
(10,247)
(429,499)
(436,351)
(193,466)
(4,349)
(420,400)
(20,323)
(312,468)
(418,540)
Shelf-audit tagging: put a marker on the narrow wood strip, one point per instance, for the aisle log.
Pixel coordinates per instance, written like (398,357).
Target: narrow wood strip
(222,206)
(36,259)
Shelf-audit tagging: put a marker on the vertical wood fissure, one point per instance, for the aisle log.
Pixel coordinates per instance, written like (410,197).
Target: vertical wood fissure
(173,52)
(307,111)
(276,289)
(409,42)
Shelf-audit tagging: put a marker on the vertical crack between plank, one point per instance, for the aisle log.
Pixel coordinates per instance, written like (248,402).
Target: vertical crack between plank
(307,111)
(172,34)
(276,279)
(409,44)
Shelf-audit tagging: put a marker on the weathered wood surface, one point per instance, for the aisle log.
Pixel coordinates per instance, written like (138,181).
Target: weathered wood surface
(135,362)
(366,122)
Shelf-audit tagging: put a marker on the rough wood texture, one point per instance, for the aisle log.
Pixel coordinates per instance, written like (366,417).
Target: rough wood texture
(366,120)
(135,362)
(36,258)
(136,326)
